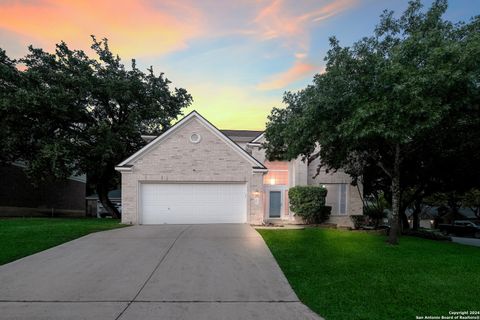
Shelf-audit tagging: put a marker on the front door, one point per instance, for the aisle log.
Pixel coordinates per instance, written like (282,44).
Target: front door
(275,207)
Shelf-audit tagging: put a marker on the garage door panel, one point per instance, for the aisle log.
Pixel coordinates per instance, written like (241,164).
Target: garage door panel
(188,203)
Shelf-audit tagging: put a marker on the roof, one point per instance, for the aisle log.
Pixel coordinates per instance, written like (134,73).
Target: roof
(241,135)
(235,135)
(126,165)
(74,177)
(258,137)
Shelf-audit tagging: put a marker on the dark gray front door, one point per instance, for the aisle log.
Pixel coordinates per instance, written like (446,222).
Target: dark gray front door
(275,204)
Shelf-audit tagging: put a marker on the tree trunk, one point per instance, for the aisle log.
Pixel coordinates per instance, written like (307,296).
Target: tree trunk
(416,215)
(394,225)
(453,204)
(102,191)
(404,220)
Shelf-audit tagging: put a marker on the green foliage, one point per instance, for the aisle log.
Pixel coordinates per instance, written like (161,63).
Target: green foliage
(471,199)
(11,136)
(308,202)
(376,208)
(67,113)
(452,201)
(379,103)
(428,234)
(358,221)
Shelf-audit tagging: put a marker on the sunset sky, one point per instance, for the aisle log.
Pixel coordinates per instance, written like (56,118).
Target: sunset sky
(235,57)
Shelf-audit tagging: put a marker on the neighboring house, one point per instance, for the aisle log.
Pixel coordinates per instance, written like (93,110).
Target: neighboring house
(195,173)
(19,197)
(431,216)
(95,207)
(427,217)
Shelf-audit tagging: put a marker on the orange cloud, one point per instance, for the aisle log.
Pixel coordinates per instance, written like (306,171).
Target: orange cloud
(277,20)
(297,72)
(134,27)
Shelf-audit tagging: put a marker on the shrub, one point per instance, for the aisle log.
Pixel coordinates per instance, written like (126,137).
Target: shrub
(427,234)
(359,221)
(376,208)
(308,202)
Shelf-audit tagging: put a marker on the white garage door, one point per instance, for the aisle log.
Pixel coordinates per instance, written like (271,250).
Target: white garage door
(190,203)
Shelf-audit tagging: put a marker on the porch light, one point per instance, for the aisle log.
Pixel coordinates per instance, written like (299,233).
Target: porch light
(272,180)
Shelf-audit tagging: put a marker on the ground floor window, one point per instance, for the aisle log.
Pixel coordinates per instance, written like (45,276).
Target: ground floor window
(336,197)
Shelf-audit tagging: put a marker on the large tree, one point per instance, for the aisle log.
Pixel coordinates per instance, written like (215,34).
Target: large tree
(381,101)
(11,81)
(74,114)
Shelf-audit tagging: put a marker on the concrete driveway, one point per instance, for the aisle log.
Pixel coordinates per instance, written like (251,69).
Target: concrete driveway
(152,272)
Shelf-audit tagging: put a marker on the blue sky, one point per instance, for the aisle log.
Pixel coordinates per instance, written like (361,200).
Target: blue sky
(236,58)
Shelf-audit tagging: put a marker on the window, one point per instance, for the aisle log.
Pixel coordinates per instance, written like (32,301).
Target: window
(343,199)
(195,138)
(336,197)
(277,173)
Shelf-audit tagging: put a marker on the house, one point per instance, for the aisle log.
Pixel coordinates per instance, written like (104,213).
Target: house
(431,216)
(95,207)
(194,173)
(426,218)
(20,197)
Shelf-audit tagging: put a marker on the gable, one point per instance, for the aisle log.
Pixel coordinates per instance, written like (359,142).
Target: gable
(181,134)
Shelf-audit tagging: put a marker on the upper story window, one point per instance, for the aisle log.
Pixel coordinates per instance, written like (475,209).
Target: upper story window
(277,173)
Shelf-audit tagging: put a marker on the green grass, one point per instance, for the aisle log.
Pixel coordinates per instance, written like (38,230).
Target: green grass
(356,275)
(20,237)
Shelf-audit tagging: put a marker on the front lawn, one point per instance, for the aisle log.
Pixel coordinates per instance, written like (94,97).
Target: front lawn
(20,237)
(356,275)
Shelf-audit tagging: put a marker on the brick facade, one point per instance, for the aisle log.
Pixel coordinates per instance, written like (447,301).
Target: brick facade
(302,174)
(176,159)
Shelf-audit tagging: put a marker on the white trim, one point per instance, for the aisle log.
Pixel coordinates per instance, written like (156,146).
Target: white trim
(195,141)
(178,125)
(118,168)
(258,138)
(254,145)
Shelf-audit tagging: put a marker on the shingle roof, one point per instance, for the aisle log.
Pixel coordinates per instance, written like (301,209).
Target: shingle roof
(242,135)
(236,135)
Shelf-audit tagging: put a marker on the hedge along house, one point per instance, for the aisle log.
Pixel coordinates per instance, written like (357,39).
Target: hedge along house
(194,173)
